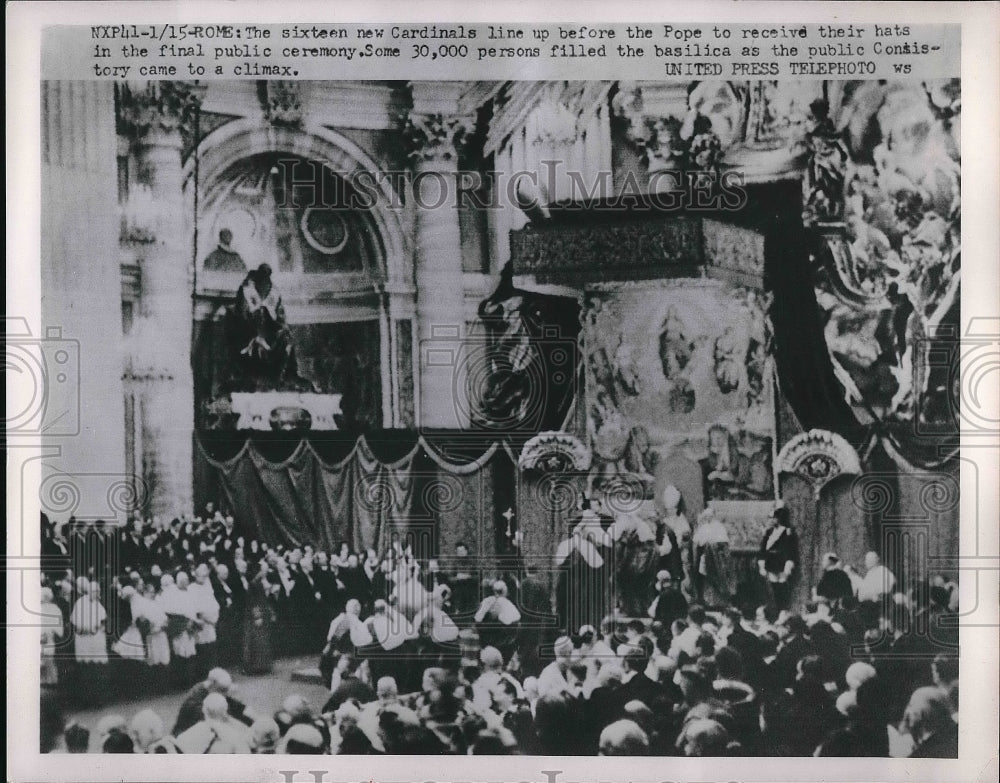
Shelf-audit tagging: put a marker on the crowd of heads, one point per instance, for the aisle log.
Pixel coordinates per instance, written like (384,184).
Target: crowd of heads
(847,673)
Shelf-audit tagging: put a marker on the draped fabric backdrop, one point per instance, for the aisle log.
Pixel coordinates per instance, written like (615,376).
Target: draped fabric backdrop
(910,477)
(324,492)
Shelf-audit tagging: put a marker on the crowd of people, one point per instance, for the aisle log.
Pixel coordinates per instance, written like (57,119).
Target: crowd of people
(440,656)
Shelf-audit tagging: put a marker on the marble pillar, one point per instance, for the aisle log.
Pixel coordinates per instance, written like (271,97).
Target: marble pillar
(159,356)
(436,134)
(83,415)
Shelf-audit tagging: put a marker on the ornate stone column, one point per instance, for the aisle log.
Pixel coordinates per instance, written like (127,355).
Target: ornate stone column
(160,343)
(436,132)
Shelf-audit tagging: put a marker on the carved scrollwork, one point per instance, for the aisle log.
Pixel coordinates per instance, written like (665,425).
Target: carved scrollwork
(818,456)
(683,127)
(163,106)
(437,136)
(555,452)
(282,102)
(826,170)
(555,122)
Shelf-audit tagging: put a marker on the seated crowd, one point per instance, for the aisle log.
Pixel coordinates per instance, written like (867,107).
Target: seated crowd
(422,659)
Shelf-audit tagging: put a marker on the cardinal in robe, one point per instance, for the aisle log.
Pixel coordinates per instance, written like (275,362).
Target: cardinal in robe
(582,590)
(714,575)
(635,562)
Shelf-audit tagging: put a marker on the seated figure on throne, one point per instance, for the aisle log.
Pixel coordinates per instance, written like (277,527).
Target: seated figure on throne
(260,335)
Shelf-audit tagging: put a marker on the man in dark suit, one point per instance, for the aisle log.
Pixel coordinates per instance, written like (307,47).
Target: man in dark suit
(218,681)
(748,646)
(132,549)
(779,556)
(670,603)
(330,588)
(230,614)
(461,575)
(795,646)
(636,685)
(55,551)
(350,687)
(307,609)
(835,585)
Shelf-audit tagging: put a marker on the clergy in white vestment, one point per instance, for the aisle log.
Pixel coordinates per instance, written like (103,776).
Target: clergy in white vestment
(88,619)
(441,627)
(389,630)
(207,613)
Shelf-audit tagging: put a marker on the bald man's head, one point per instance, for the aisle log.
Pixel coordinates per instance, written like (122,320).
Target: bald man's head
(146,728)
(927,713)
(219,681)
(624,738)
(704,737)
(215,707)
(386,690)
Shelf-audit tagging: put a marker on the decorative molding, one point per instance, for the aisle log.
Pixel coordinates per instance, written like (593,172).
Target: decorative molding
(167,106)
(725,106)
(686,126)
(826,170)
(574,105)
(131,275)
(282,102)
(437,137)
(655,113)
(208,121)
(651,248)
(772,148)
(512,104)
(818,456)
(651,284)
(139,215)
(404,372)
(734,253)
(555,452)
(554,122)
(319,243)
(257,409)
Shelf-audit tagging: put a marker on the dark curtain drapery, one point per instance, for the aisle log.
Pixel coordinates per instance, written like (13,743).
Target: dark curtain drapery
(325,490)
(806,374)
(908,465)
(805,371)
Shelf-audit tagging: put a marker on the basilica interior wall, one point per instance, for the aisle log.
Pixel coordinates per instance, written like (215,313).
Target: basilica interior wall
(835,203)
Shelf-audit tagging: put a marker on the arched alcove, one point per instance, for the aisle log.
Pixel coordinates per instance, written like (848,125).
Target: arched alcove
(219,151)
(291,199)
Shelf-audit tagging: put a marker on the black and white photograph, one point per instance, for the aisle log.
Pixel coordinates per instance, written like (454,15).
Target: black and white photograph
(521,417)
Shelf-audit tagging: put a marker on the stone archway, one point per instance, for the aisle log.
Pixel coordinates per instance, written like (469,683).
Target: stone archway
(244,138)
(355,295)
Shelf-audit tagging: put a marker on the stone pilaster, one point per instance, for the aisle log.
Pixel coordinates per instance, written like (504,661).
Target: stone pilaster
(81,298)
(159,358)
(436,131)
